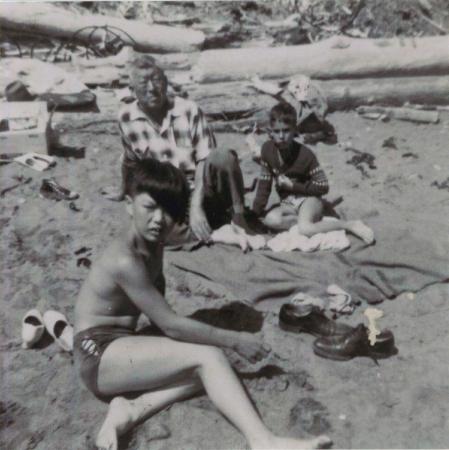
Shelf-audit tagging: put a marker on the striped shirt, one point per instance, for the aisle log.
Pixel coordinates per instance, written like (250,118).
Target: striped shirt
(183,139)
(301,166)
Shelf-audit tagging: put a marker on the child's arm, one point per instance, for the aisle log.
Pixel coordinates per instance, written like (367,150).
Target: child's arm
(316,184)
(133,278)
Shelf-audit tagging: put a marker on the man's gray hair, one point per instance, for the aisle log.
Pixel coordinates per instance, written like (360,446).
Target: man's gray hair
(139,60)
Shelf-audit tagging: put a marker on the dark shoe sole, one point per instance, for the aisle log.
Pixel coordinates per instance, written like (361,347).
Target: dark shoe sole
(371,354)
(296,329)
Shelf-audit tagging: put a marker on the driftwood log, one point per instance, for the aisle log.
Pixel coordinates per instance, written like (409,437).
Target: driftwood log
(407,114)
(238,97)
(337,57)
(52,21)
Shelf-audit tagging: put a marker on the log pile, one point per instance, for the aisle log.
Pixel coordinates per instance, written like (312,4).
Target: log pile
(351,72)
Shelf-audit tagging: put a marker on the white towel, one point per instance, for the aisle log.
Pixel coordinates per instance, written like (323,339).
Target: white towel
(294,240)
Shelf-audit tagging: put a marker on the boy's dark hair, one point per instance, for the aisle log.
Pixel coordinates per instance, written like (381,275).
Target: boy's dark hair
(164,182)
(284,112)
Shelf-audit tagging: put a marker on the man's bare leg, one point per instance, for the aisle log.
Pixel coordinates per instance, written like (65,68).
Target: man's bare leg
(310,222)
(124,414)
(147,362)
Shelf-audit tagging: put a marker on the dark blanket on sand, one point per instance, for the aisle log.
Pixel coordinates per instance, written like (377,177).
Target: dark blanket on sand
(408,256)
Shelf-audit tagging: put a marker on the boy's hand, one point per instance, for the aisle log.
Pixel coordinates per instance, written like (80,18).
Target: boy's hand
(199,224)
(250,348)
(284,182)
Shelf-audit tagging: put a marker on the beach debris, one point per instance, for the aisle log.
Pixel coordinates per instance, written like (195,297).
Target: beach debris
(26,125)
(390,143)
(51,189)
(403,113)
(82,250)
(373,314)
(410,155)
(32,328)
(59,329)
(84,254)
(310,416)
(21,180)
(361,161)
(36,161)
(84,261)
(74,207)
(441,185)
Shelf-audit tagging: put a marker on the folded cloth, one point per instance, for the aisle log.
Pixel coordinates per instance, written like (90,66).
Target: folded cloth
(293,240)
(340,301)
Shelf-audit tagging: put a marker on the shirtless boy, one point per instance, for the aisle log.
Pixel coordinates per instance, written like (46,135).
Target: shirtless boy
(176,363)
(300,183)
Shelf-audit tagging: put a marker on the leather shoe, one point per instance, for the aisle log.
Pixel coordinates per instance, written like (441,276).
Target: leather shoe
(355,343)
(309,319)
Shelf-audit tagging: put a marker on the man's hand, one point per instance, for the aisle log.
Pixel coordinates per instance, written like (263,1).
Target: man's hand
(199,223)
(250,348)
(284,182)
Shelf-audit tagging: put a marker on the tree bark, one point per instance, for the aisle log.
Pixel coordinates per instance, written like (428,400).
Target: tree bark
(337,57)
(52,21)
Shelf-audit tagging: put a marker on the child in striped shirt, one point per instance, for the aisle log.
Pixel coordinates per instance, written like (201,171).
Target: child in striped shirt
(299,180)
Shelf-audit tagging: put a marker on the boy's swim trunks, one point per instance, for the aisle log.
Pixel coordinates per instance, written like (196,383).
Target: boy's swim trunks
(89,346)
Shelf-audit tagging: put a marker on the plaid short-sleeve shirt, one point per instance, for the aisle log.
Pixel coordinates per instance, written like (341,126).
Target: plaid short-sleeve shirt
(183,139)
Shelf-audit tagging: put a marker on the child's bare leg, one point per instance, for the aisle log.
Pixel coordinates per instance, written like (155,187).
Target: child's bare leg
(310,222)
(281,218)
(123,414)
(142,363)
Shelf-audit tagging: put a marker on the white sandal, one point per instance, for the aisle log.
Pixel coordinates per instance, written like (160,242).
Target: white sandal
(32,328)
(59,329)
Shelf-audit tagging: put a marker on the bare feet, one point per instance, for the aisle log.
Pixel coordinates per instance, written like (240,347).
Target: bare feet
(296,444)
(118,420)
(116,195)
(359,229)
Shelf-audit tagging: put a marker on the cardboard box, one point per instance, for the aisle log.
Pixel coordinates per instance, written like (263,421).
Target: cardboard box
(20,115)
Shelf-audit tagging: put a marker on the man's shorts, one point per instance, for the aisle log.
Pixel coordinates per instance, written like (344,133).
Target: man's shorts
(89,346)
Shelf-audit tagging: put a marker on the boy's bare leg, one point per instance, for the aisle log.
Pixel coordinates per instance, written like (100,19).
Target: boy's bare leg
(310,222)
(281,218)
(147,362)
(123,414)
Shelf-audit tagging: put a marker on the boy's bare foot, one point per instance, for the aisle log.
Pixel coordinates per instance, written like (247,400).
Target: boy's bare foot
(359,229)
(119,419)
(296,444)
(115,195)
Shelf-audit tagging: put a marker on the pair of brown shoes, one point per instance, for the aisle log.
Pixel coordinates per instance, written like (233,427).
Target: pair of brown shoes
(336,340)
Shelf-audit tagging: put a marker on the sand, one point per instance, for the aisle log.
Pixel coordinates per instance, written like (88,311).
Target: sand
(399,403)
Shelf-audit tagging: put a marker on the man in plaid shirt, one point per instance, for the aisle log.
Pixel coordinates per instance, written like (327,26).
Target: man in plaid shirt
(170,128)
